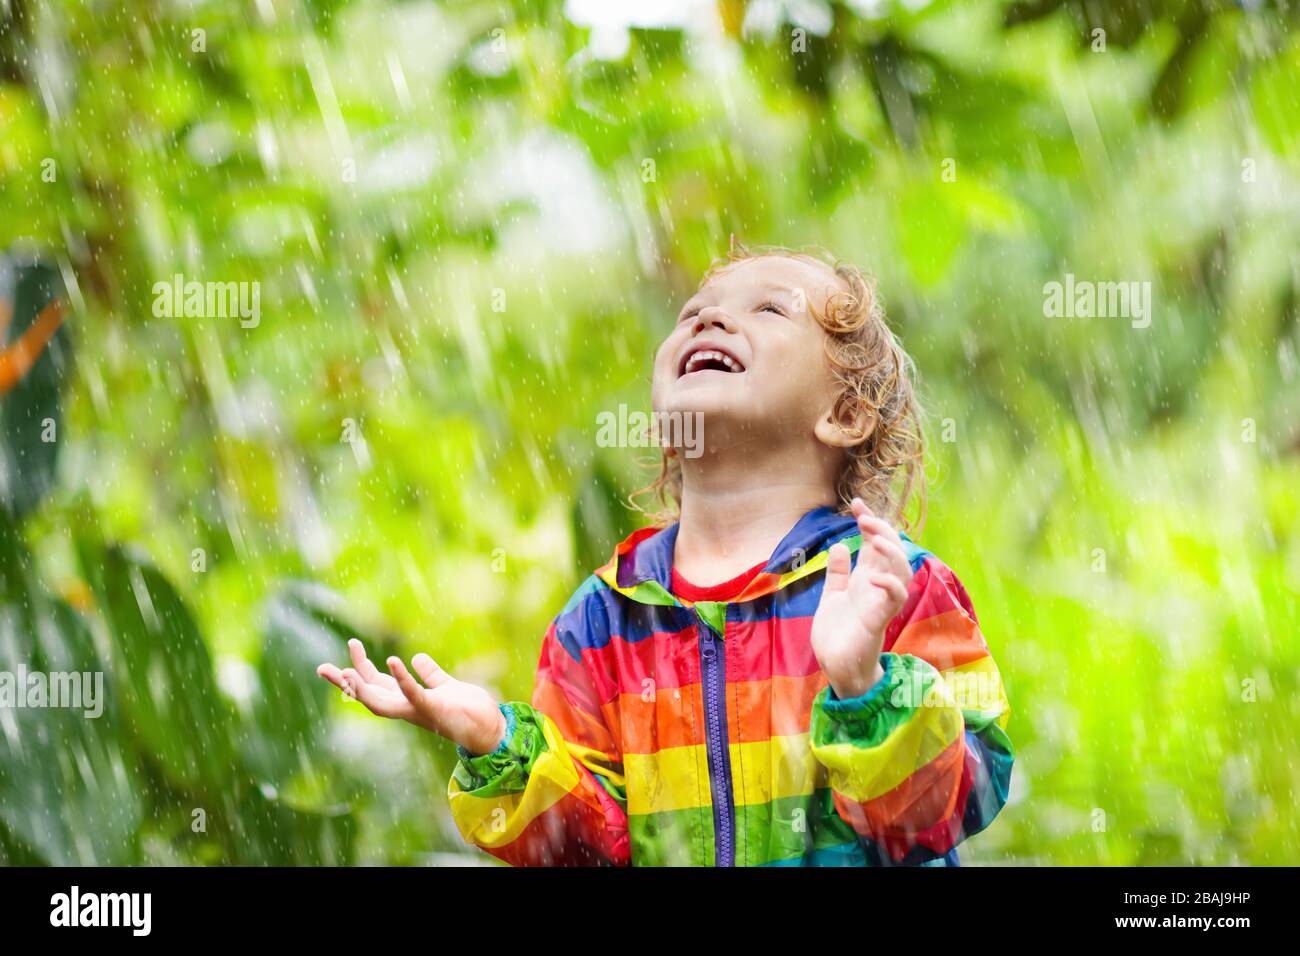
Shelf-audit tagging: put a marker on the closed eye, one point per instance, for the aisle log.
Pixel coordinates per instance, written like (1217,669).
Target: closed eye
(770,307)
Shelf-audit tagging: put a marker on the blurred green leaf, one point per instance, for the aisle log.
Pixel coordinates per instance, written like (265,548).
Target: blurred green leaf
(69,756)
(164,669)
(930,228)
(1273,92)
(270,832)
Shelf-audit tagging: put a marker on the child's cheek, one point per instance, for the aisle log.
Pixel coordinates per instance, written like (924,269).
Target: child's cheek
(664,359)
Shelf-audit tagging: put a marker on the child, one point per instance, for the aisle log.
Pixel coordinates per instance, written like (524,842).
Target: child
(777,678)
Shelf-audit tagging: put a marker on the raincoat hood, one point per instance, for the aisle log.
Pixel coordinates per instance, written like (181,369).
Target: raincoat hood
(641,567)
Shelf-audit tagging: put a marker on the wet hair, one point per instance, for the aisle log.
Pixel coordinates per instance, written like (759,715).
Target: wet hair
(875,380)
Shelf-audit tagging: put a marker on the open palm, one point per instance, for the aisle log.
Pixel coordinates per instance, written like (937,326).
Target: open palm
(461,712)
(857,604)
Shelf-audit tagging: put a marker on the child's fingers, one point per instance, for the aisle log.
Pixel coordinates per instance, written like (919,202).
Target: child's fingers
(359,660)
(362,663)
(430,673)
(892,554)
(890,584)
(870,524)
(353,685)
(838,564)
(376,700)
(407,684)
(869,559)
(860,508)
(885,547)
(333,675)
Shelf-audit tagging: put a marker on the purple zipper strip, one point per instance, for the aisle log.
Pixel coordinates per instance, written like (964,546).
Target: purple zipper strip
(713,668)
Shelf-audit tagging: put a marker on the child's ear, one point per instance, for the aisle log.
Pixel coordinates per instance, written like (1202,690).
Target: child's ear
(835,433)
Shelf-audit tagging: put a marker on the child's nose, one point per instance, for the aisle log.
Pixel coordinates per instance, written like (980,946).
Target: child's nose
(711,317)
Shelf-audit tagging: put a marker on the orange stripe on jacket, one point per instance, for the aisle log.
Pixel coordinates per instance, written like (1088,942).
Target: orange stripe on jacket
(569,831)
(924,799)
(946,640)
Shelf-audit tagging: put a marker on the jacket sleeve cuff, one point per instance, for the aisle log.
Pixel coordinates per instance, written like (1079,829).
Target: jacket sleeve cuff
(868,719)
(506,769)
(870,701)
(509,713)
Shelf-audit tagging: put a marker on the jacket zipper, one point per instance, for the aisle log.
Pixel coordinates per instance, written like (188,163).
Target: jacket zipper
(713,668)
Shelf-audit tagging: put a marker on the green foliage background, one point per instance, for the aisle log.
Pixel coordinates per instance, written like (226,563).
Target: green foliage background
(472,224)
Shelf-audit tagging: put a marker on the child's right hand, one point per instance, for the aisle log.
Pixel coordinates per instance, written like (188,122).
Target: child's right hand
(463,713)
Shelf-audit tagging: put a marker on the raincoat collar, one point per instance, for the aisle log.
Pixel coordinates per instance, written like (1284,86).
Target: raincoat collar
(641,567)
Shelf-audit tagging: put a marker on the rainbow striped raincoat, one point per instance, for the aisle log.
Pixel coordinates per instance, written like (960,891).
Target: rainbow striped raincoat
(667,733)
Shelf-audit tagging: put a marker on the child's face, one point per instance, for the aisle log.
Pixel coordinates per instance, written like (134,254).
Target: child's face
(772,379)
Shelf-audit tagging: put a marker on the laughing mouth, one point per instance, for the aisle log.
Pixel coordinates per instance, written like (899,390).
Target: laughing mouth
(710,360)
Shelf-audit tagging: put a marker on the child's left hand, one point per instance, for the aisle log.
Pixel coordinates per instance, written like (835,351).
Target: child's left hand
(857,604)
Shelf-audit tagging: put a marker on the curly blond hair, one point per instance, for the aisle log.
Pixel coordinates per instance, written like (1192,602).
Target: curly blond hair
(876,381)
